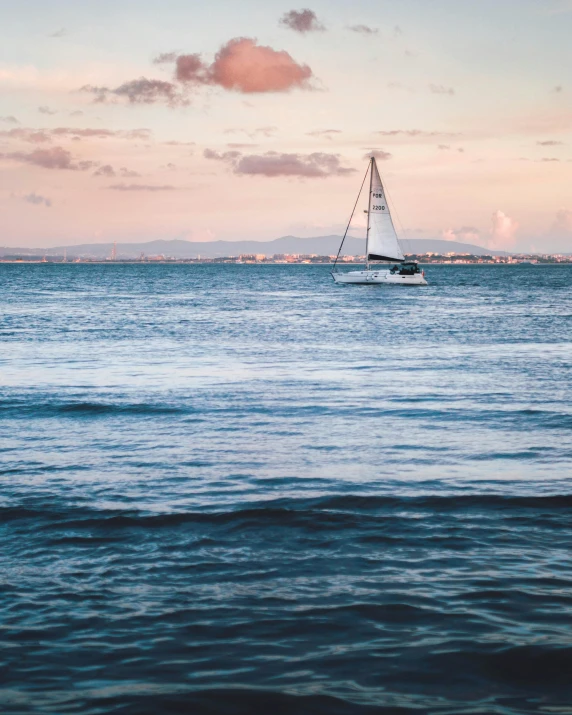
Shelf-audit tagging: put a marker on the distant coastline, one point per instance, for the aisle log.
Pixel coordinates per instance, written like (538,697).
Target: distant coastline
(284,250)
(427,259)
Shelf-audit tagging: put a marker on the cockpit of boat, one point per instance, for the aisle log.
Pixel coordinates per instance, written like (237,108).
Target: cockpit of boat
(407,268)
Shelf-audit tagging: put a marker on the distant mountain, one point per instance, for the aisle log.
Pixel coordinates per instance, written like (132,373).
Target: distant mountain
(321,245)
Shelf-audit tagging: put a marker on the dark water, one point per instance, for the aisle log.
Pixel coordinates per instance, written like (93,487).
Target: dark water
(242,489)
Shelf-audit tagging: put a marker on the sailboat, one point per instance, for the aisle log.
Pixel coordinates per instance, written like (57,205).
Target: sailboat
(381,243)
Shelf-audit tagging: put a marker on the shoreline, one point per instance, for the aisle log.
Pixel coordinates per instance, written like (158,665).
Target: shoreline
(194,262)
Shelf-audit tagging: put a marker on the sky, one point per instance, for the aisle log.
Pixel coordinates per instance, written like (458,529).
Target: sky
(139,120)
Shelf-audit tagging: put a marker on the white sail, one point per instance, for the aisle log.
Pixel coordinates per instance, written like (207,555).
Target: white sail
(382,241)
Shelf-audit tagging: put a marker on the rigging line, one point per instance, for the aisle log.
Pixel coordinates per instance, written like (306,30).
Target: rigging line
(394,210)
(349,222)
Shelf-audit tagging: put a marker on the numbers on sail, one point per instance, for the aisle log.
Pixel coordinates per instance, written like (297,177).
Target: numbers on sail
(378,208)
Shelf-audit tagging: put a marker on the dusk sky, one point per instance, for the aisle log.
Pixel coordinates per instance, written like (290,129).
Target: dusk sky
(132,121)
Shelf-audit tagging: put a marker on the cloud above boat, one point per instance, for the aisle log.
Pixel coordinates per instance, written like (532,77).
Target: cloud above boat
(379,154)
(415,133)
(302,21)
(165,58)
(142,187)
(31,136)
(317,165)
(108,171)
(37,200)
(53,158)
(364,29)
(242,65)
(268,131)
(39,136)
(441,89)
(139,91)
(326,133)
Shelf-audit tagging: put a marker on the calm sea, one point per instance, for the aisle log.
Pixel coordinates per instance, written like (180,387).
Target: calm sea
(244,489)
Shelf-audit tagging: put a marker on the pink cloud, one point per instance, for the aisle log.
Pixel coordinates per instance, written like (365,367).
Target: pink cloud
(110,172)
(272,164)
(441,89)
(139,91)
(54,158)
(225,156)
(128,173)
(327,133)
(244,66)
(102,133)
(259,131)
(141,187)
(238,145)
(37,200)
(247,67)
(241,65)
(33,136)
(302,21)
(378,154)
(191,68)
(105,170)
(364,29)
(415,133)
(165,58)
(39,136)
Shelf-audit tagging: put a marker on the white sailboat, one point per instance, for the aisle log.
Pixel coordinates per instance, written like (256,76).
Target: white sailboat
(381,244)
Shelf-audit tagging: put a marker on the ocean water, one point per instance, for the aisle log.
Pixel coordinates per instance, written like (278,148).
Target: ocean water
(244,489)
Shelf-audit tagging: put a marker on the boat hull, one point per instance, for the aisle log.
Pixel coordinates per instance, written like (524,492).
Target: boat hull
(379,278)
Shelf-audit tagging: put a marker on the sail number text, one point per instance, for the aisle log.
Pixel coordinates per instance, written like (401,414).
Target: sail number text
(377,208)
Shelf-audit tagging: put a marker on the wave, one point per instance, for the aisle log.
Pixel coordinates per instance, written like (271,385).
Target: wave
(236,701)
(520,419)
(27,408)
(317,513)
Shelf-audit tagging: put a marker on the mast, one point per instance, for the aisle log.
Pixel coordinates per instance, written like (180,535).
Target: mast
(368,208)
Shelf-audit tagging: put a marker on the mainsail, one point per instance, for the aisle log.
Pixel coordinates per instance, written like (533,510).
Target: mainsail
(382,242)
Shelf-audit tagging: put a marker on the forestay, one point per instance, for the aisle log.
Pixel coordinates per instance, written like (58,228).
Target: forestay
(382,241)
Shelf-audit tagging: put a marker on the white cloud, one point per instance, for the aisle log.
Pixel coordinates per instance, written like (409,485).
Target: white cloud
(503,232)
(465,234)
(562,223)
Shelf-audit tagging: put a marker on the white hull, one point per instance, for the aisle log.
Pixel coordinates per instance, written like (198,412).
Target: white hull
(379,277)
